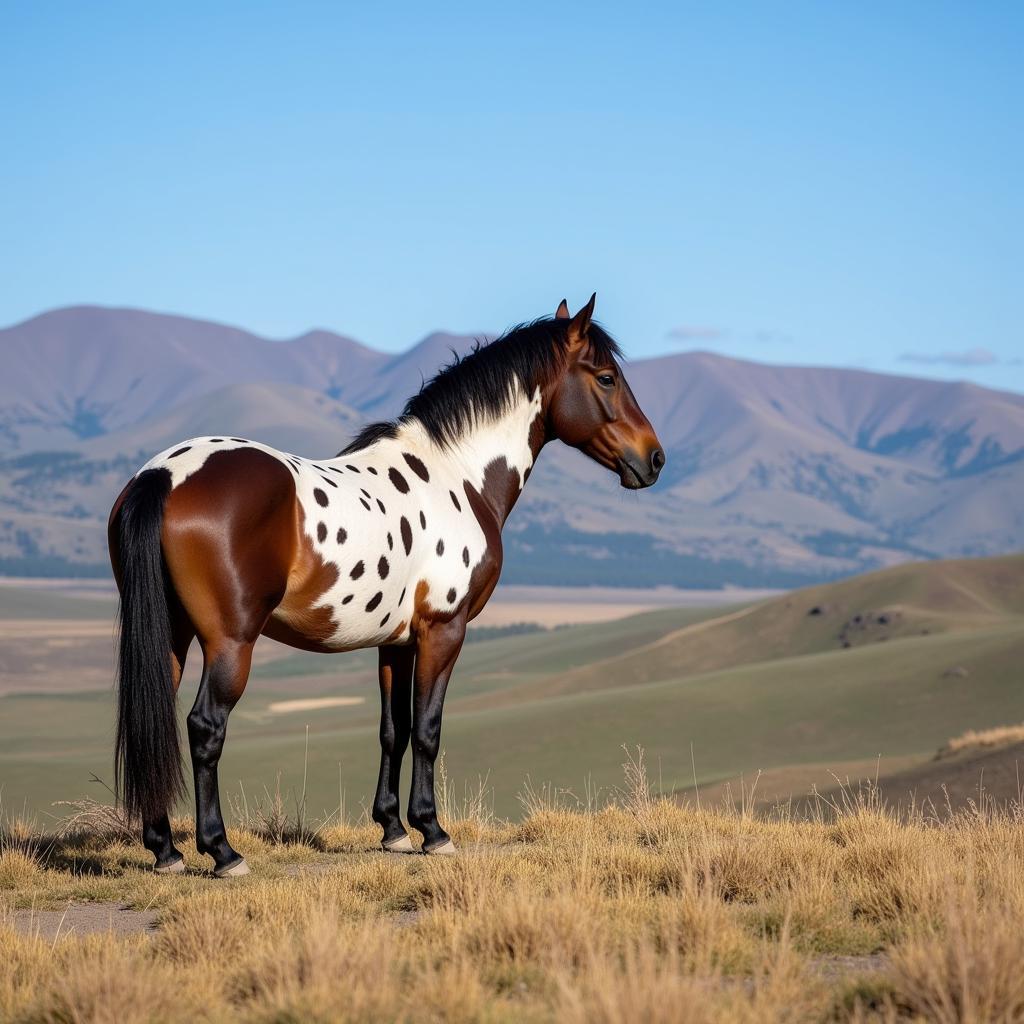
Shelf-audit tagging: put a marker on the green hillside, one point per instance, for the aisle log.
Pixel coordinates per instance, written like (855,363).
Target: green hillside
(892,664)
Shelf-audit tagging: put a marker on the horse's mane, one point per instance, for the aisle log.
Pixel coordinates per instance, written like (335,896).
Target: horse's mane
(477,385)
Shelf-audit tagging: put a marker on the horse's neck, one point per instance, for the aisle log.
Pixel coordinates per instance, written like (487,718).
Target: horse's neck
(495,456)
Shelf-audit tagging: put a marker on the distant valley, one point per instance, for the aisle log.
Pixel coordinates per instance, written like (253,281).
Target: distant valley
(776,476)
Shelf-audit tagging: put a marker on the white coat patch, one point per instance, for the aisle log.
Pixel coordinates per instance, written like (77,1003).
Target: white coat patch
(385,527)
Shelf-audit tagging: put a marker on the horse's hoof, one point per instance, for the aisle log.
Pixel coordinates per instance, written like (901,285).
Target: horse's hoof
(403,844)
(173,867)
(446,849)
(236,870)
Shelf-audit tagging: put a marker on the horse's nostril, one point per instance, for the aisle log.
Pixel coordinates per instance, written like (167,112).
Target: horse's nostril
(657,460)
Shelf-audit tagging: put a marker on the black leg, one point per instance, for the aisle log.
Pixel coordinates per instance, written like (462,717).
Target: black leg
(436,654)
(224,678)
(396,669)
(156,837)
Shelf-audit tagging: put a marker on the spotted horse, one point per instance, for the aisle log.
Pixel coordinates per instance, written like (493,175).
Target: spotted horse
(393,544)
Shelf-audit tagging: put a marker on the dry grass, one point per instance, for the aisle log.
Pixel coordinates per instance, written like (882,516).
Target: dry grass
(637,910)
(1001,736)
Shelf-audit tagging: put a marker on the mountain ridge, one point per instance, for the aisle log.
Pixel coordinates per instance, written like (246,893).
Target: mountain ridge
(775,474)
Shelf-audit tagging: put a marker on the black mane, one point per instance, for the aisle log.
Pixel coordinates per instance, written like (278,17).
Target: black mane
(477,384)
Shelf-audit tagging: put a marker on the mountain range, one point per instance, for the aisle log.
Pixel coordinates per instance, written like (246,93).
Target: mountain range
(776,475)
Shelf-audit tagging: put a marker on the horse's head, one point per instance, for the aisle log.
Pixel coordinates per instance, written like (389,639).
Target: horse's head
(592,408)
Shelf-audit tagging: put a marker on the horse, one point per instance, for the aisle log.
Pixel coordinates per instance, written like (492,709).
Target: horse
(395,543)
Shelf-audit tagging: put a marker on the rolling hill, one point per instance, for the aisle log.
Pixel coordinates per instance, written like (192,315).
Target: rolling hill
(825,680)
(776,476)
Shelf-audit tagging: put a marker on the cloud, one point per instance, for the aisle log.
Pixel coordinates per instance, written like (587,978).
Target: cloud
(769,337)
(688,332)
(968,357)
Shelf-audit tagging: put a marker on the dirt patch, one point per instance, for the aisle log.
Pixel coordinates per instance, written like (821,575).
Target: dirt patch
(838,968)
(285,707)
(559,606)
(80,919)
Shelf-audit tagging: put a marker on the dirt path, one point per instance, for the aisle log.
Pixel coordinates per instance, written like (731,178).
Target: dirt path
(80,919)
(696,627)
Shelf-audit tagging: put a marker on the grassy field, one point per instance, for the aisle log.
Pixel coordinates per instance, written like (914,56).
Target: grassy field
(638,910)
(582,893)
(825,680)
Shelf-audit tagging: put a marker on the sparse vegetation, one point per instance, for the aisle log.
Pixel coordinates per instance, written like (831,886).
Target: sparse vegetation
(973,739)
(477,634)
(633,909)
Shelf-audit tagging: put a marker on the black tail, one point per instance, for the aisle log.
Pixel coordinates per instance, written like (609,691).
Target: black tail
(148,758)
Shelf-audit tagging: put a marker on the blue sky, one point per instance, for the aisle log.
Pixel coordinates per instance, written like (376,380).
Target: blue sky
(829,183)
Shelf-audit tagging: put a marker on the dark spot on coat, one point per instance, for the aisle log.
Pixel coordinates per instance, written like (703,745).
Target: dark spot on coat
(347,598)
(357,570)
(216,440)
(382,568)
(401,484)
(365,493)
(385,619)
(401,597)
(320,468)
(239,440)
(365,504)
(455,501)
(342,535)
(440,547)
(451,596)
(355,469)
(374,601)
(334,469)
(423,521)
(406,531)
(391,543)
(416,465)
(330,483)
(321,497)
(180,451)
(380,505)
(465,557)
(371,470)
(321,532)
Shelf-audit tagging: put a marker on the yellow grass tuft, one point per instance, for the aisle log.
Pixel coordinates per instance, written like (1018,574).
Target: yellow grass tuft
(972,739)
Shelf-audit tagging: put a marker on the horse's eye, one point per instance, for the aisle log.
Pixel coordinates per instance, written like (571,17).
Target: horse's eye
(606,380)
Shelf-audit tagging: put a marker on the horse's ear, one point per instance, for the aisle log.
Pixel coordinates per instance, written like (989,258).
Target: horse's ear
(580,324)
(562,313)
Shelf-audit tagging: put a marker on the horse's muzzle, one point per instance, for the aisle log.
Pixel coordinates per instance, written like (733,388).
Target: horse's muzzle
(636,471)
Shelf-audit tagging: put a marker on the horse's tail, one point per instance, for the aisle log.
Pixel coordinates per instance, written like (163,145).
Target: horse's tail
(148,757)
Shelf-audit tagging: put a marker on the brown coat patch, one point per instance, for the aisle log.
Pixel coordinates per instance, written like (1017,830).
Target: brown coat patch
(229,590)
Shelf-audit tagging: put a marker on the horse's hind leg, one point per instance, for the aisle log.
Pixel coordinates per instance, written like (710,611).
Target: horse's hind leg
(156,834)
(396,668)
(225,672)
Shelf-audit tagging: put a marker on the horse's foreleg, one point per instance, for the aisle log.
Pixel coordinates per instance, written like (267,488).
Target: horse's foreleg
(395,670)
(436,653)
(224,676)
